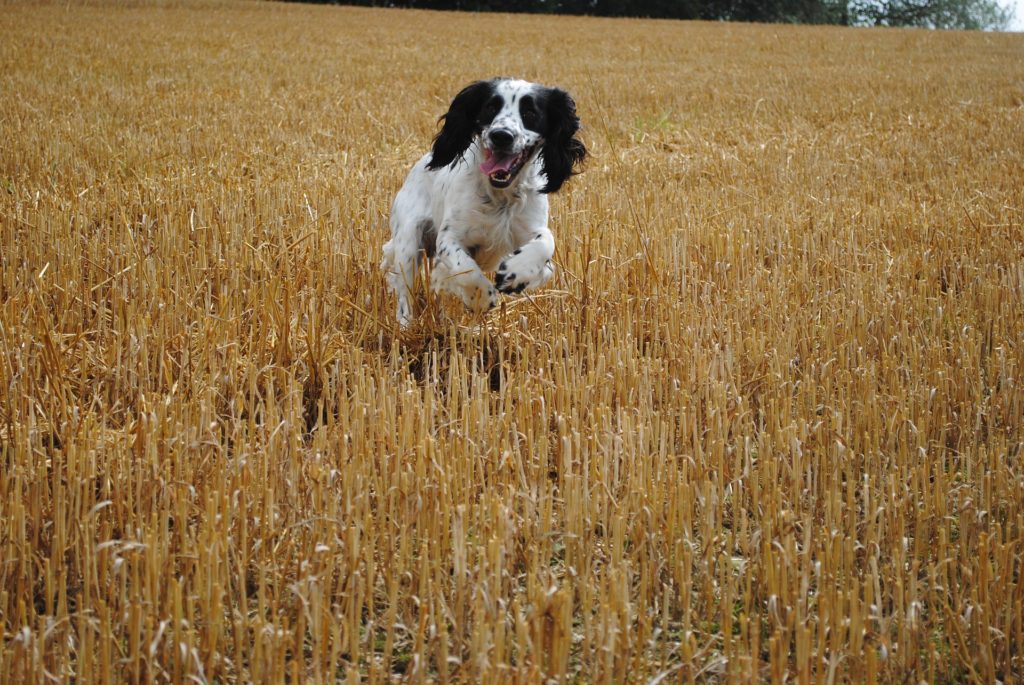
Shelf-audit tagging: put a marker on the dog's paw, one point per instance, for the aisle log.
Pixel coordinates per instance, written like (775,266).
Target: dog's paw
(480,297)
(404,313)
(519,272)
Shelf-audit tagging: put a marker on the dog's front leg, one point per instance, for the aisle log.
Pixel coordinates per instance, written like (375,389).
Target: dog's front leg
(399,263)
(529,266)
(456,271)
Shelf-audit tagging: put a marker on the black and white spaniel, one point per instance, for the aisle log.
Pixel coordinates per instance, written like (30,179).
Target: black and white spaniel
(478,201)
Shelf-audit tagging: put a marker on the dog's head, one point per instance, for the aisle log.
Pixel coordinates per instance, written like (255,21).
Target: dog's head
(513,121)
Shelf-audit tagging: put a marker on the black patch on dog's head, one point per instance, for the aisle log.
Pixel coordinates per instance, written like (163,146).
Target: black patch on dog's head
(532,114)
(553,115)
(471,111)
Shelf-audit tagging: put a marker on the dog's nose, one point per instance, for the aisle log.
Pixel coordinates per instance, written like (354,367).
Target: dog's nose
(501,138)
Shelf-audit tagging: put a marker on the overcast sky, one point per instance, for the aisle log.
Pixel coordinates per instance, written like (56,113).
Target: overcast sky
(1017,22)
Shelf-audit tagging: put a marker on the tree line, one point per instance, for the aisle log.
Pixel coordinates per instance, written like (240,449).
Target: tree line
(939,14)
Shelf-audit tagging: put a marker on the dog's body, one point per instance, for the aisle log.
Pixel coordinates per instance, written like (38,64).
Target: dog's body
(478,201)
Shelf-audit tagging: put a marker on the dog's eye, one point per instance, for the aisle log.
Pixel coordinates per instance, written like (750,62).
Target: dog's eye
(492,107)
(528,111)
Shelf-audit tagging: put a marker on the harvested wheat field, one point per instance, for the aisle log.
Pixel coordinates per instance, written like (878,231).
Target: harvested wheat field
(765,424)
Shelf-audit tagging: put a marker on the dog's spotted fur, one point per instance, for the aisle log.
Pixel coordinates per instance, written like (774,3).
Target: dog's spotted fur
(478,201)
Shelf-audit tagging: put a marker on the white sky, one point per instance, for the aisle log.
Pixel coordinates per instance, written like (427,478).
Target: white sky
(1017,22)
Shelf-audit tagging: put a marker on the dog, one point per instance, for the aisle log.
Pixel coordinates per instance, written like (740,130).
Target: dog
(477,202)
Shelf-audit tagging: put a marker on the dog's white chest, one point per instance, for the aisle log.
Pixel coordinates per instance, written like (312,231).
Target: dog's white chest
(492,235)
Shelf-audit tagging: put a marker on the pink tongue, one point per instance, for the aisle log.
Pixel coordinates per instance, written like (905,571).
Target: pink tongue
(493,163)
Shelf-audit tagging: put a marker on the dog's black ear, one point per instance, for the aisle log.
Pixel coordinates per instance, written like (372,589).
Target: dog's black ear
(460,123)
(563,152)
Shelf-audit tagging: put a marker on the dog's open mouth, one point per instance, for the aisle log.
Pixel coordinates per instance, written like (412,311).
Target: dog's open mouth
(501,168)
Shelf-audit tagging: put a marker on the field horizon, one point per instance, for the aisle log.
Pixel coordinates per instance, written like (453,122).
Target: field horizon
(763,425)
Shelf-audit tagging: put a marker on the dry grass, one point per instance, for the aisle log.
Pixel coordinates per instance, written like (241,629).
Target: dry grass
(765,425)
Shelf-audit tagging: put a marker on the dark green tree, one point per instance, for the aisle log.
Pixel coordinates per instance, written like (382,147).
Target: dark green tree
(939,14)
(936,14)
